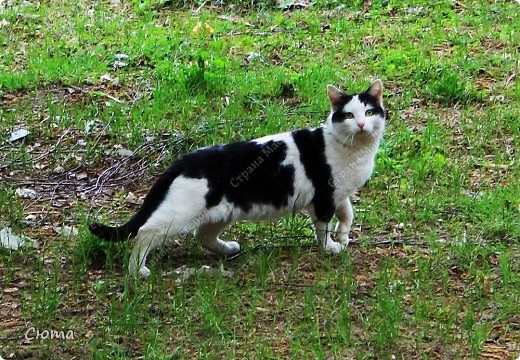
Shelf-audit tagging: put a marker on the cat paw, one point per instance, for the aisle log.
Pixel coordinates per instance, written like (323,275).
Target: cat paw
(343,239)
(226,248)
(138,271)
(230,248)
(333,247)
(144,272)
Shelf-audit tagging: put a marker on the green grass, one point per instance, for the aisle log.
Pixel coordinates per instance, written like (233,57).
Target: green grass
(446,177)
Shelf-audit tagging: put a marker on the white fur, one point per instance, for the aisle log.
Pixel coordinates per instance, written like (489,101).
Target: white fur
(350,151)
(179,213)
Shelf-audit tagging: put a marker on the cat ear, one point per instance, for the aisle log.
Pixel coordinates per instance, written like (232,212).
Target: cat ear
(336,97)
(376,90)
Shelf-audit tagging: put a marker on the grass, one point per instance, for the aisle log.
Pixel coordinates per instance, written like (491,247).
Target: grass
(200,73)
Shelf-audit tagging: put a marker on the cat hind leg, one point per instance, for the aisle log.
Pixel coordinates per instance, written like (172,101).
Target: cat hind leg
(146,241)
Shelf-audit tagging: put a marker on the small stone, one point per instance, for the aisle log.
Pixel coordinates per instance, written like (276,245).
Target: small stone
(30,218)
(121,56)
(25,193)
(106,78)
(119,64)
(66,230)
(58,169)
(11,241)
(18,134)
(124,152)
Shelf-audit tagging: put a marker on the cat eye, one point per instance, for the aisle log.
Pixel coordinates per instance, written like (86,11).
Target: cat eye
(369,113)
(349,115)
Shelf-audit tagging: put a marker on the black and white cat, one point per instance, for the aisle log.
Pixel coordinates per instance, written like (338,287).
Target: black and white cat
(312,169)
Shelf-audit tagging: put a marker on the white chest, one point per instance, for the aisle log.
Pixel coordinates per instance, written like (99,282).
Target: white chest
(351,167)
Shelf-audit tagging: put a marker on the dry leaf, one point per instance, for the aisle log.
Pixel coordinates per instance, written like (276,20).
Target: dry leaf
(361,278)
(131,198)
(197,29)
(486,286)
(208,29)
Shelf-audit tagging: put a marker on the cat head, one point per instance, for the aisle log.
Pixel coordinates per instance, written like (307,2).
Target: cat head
(359,116)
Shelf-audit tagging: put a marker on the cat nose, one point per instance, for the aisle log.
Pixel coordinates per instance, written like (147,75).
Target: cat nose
(361,125)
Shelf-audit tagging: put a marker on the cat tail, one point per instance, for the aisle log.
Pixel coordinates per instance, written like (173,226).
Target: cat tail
(151,202)
(115,233)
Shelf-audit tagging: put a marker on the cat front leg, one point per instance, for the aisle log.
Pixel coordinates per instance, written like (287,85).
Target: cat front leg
(345,215)
(208,234)
(321,214)
(323,235)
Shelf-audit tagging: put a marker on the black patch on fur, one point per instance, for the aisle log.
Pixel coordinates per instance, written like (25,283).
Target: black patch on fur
(365,98)
(245,173)
(371,100)
(311,145)
(338,115)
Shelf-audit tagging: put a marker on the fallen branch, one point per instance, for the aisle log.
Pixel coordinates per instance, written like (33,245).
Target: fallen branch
(310,245)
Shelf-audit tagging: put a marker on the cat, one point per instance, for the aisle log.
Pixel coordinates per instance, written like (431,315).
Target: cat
(311,169)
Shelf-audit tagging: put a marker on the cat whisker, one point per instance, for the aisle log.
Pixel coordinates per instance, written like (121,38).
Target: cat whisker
(351,139)
(347,136)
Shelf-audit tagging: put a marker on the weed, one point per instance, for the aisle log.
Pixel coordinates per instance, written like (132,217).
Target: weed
(451,89)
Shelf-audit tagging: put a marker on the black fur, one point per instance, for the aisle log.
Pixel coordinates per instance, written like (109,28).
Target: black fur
(338,115)
(365,98)
(245,173)
(369,99)
(311,145)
